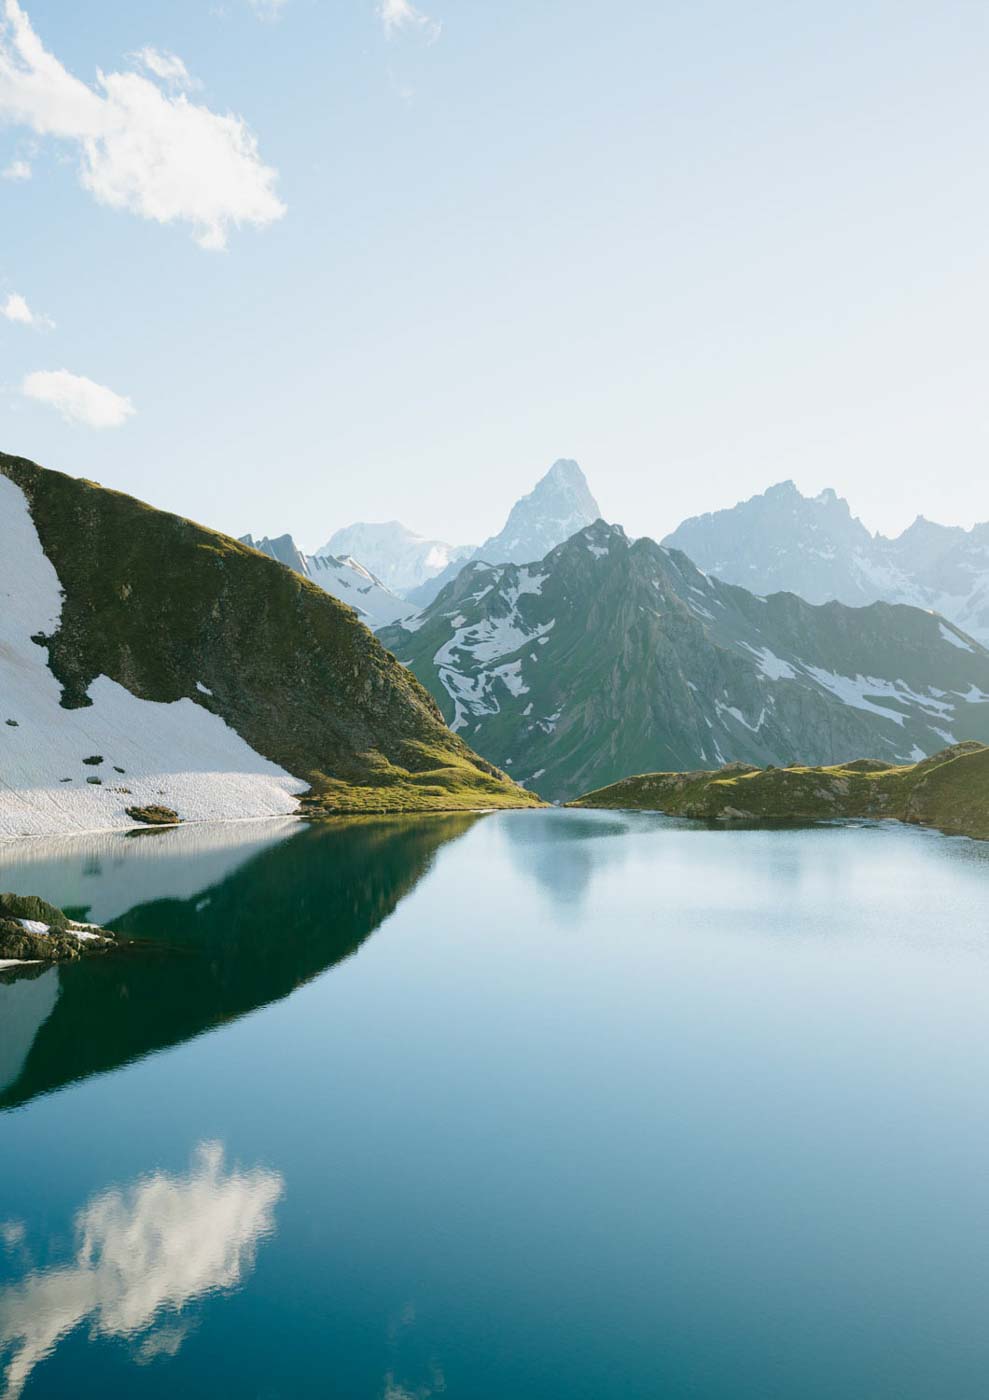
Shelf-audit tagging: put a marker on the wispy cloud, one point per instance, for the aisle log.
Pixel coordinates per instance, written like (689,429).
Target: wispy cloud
(399,15)
(141,147)
(17,170)
(166,66)
(78,399)
(16,309)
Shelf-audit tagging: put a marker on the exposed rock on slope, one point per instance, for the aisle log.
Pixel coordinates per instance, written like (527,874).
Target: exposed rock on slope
(949,790)
(608,658)
(816,548)
(32,931)
(147,661)
(343,577)
(557,507)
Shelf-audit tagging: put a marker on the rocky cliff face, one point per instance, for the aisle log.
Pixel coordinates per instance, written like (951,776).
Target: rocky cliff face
(607,658)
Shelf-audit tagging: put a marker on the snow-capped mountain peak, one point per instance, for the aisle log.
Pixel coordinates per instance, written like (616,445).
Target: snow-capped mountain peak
(557,507)
(340,575)
(814,546)
(398,557)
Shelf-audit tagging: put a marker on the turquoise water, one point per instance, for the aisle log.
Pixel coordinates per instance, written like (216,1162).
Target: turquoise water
(547,1104)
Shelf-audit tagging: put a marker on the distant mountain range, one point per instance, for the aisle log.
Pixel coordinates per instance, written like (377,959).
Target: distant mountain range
(147,661)
(557,507)
(397,556)
(343,577)
(815,547)
(607,658)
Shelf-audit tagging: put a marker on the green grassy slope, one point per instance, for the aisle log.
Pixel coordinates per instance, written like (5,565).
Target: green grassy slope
(950,791)
(158,603)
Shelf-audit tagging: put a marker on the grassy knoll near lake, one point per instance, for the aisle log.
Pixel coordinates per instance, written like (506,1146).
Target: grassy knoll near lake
(949,790)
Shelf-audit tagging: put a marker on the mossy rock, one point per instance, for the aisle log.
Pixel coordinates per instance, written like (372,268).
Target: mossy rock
(29,906)
(154,816)
(59,941)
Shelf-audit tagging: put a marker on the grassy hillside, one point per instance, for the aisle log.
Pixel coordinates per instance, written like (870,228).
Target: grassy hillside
(167,608)
(950,791)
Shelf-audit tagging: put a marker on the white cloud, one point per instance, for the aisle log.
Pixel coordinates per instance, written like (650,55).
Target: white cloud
(397,15)
(143,1254)
(78,399)
(167,66)
(16,309)
(17,170)
(141,148)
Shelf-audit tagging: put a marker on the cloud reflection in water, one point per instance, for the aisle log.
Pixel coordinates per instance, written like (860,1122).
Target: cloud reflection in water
(143,1253)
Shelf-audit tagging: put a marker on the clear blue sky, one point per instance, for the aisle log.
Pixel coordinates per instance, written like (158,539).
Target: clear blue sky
(699,247)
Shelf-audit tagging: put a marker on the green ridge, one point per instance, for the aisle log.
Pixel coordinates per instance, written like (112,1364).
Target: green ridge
(158,603)
(949,791)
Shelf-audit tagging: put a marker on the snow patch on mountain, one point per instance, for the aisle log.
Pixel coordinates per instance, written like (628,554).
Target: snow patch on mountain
(773,667)
(78,770)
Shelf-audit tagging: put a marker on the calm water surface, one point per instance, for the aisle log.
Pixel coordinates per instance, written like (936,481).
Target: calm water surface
(534,1106)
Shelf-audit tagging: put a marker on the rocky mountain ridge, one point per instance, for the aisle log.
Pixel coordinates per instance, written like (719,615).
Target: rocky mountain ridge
(815,547)
(608,657)
(557,507)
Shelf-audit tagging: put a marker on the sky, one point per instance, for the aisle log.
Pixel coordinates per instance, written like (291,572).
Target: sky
(281,265)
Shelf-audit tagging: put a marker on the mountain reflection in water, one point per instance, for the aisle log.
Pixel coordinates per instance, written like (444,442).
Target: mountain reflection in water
(235,934)
(143,1254)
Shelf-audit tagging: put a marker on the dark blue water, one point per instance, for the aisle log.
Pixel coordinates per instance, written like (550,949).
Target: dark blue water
(539,1105)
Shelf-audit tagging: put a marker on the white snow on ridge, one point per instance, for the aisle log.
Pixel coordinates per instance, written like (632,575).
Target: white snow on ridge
(178,754)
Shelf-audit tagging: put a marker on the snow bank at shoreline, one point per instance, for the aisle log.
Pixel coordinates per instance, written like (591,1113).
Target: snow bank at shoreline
(65,771)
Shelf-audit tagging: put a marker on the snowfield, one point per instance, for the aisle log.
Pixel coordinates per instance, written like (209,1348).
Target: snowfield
(176,755)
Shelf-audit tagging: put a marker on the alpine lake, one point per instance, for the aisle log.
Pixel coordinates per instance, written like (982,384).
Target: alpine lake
(548,1105)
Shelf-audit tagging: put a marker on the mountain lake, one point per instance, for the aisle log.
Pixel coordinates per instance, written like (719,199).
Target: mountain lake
(546,1105)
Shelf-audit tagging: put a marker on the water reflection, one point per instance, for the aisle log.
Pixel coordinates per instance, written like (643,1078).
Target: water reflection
(143,1254)
(236,933)
(562,851)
